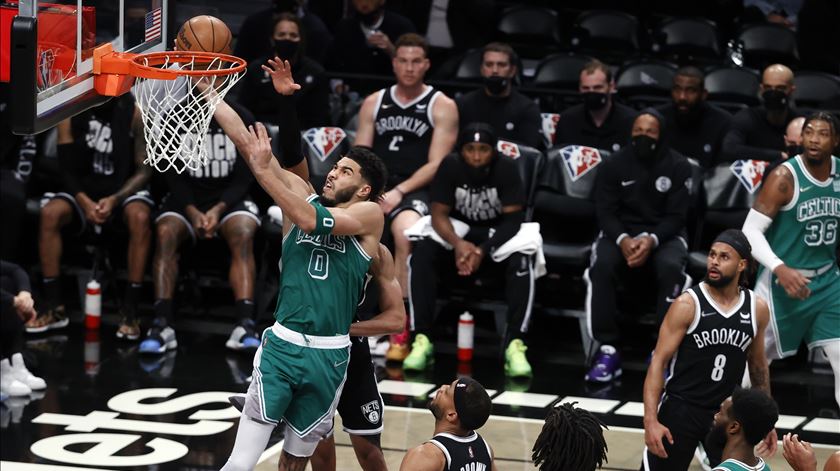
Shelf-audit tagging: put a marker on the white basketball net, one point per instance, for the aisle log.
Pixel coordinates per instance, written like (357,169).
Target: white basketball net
(176,113)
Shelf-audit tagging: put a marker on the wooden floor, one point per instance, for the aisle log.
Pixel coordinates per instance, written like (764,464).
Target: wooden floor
(510,437)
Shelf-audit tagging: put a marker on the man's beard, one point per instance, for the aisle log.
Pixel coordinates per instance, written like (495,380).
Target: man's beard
(341,196)
(716,438)
(435,410)
(720,282)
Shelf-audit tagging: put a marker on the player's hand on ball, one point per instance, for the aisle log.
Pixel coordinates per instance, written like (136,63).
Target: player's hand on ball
(654,433)
(281,76)
(794,283)
(258,148)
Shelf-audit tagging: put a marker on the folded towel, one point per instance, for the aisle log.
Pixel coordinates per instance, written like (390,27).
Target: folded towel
(527,241)
(423,229)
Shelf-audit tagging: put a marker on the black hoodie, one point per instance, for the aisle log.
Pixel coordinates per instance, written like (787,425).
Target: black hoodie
(632,197)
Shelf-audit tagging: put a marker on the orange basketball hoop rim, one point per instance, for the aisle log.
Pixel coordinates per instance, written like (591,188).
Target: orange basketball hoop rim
(114,72)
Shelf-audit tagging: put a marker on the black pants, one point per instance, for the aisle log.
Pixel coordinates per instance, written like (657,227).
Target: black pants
(13,204)
(428,255)
(608,265)
(11,327)
(689,425)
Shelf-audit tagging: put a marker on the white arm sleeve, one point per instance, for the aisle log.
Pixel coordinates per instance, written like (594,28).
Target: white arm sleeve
(754,228)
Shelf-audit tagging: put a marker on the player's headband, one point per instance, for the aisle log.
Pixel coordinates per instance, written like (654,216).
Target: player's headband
(737,240)
(469,417)
(478,132)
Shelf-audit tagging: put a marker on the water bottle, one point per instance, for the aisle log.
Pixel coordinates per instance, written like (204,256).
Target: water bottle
(93,305)
(466,330)
(92,352)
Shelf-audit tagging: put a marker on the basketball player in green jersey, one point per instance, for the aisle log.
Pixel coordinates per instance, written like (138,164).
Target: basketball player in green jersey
(793,230)
(742,422)
(300,367)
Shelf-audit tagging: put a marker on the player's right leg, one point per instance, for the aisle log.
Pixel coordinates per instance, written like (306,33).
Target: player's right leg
(606,262)
(423,281)
(137,212)
(171,230)
(59,211)
(688,425)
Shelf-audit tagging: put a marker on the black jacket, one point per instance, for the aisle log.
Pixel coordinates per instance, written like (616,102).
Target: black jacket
(631,198)
(576,127)
(514,117)
(701,138)
(254,40)
(751,136)
(350,51)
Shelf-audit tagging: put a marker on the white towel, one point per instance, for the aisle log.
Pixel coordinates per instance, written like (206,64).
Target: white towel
(527,241)
(423,229)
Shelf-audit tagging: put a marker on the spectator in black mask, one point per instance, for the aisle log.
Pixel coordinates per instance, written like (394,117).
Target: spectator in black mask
(254,40)
(311,101)
(793,136)
(599,122)
(757,132)
(695,127)
(364,42)
(641,200)
(514,116)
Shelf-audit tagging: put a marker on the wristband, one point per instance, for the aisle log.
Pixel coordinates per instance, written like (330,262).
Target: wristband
(324,221)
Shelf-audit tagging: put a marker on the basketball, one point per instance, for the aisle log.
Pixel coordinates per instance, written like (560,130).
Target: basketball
(204,33)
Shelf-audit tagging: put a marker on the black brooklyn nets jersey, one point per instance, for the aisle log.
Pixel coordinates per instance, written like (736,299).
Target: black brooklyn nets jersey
(710,361)
(103,146)
(403,132)
(368,306)
(470,453)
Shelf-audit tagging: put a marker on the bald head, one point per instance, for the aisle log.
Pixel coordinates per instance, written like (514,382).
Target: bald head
(777,75)
(793,133)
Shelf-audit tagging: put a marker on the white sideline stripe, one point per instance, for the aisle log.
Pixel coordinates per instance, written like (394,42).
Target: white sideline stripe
(490,392)
(790,422)
(271,451)
(513,398)
(388,386)
(632,409)
(823,425)
(18,466)
(600,406)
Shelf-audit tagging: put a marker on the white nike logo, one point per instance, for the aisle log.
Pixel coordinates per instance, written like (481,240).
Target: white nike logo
(386,106)
(339,363)
(805,188)
(627,182)
(745,315)
(421,107)
(521,273)
(707,314)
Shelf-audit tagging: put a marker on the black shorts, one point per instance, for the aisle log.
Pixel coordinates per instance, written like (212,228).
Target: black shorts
(417,201)
(689,424)
(360,405)
(79,224)
(170,207)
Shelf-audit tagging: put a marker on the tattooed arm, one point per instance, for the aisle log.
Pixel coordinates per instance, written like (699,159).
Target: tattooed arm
(776,192)
(756,357)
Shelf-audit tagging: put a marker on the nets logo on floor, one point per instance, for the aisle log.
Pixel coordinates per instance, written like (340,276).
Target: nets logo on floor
(749,173)
(90,448)
(323,141)
(580,160)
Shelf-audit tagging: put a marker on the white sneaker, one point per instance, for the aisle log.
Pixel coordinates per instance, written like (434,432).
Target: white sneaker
(9,383)
(24,376)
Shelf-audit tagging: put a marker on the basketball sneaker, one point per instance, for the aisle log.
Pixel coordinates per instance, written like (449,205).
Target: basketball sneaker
(52,319)
(606,367)
(129,328)
(398,349)
(9,384)
(23,375)
(243,337)
(159,339)
(422,354)
(516,364)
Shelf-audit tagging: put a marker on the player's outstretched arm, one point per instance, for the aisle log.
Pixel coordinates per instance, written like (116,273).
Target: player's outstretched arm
(676,323)
(425,457)
(775,193)
(392,318)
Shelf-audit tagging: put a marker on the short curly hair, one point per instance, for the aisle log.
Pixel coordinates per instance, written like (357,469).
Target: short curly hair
(372,169)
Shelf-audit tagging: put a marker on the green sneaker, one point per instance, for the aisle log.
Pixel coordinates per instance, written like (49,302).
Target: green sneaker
(516,365)
(422,354)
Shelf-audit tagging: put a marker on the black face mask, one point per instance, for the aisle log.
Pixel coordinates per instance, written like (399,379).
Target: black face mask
(369,19)
(495,84)
(794,149)
(646,147)
(594,101)
(286,49)
(775,100)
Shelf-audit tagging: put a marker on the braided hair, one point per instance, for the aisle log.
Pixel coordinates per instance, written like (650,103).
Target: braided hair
(572,439)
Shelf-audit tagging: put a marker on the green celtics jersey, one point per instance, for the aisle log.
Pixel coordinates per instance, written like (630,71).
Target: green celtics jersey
(735,465)
(321,282)
(804,233)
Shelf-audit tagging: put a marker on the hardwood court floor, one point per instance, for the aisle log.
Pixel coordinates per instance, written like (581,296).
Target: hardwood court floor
(510,437)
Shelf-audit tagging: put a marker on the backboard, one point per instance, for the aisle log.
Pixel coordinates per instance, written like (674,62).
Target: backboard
(48,59)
